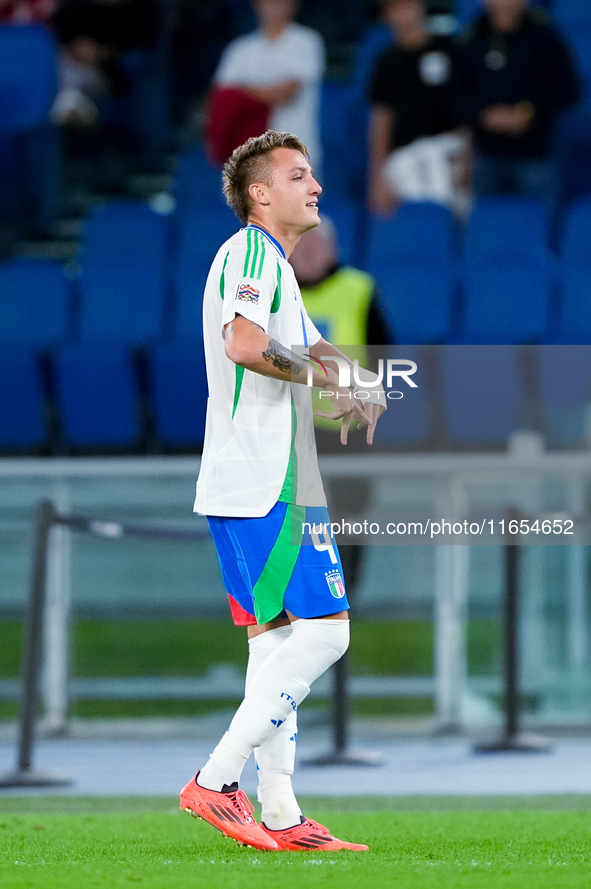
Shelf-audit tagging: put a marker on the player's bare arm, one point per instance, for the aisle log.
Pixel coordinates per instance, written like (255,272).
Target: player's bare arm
(322,349)
(283,359)
(247,345)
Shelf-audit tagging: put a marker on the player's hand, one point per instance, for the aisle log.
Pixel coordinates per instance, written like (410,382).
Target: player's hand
(375,411)
(346,407)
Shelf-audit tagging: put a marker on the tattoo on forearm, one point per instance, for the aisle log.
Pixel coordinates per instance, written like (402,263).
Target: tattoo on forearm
(283,359)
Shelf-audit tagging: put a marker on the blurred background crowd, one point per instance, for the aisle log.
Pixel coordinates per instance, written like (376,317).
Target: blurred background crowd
(452,140)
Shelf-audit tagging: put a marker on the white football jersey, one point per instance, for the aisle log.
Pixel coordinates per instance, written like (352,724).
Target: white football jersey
(259,435)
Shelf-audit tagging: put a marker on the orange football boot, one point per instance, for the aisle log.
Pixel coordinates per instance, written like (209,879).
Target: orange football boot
(309,836)
(230,812)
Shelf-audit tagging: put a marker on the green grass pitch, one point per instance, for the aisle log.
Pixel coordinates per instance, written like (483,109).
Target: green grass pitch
(416,843)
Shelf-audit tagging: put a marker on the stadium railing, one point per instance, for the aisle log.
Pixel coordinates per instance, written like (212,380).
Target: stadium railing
(445,486)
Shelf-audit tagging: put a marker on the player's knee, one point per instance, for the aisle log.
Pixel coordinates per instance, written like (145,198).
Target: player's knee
(332,636)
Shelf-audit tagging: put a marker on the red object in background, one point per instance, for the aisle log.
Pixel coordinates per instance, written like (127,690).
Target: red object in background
(24,12)
(232,117)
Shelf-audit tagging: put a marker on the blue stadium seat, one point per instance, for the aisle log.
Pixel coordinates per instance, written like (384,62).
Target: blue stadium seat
(509,226)
(482,393)
(410,255)
(375,40)
(201,232)
(34,303)
(347,215)
(573,17)
(98,396)
(573,152)
(179,393)
(196,179)
(29,166)
(508,272)
(22,409)
(565,11)
(465,11)
(143,108)
(564,384)
(344,146)
(407,420)
(575,278)
(578,34)
(124,275)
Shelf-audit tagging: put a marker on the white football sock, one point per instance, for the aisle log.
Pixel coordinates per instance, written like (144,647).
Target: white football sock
(275,758)
(219,772)
(275,692)
(260,647)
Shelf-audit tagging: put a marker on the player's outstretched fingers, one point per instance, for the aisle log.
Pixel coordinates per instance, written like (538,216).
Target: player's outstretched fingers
(345,426)
(376,411)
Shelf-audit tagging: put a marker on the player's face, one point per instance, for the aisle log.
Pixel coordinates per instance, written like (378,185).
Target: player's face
(293,194)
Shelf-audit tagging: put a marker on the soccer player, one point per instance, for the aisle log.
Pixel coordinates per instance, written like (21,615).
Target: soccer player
(260,487)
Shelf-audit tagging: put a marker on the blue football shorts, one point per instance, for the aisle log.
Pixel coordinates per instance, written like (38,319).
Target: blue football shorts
(286,560)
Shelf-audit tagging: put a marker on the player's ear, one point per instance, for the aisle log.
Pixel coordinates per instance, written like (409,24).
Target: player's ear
(258,193)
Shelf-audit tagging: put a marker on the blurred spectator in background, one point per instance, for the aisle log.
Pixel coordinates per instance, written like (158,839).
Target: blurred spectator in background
(513,75)
(377,38)
(26,12)
(209,25)
(415,148)
(270,78)
(341,300)
(95,35)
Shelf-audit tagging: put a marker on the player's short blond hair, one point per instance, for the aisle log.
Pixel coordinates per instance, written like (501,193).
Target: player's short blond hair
(252,162)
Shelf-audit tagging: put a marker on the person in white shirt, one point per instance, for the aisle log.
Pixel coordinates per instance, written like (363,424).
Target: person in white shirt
(261,490)
(282,64)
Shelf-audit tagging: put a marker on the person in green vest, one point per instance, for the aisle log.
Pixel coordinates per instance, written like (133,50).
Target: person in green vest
(343,303)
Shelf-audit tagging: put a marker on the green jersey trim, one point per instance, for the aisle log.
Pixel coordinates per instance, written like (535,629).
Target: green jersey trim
(277,295)
(255,254)
(290,483)
(270,588)
(223,276)
(237,387)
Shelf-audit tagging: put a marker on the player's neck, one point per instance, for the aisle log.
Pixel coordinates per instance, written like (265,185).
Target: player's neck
(285,237)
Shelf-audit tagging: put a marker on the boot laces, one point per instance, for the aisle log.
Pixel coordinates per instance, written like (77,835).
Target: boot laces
(243,804)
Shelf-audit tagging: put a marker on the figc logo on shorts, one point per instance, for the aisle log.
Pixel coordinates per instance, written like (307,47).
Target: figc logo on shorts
(248,294)
(335,584)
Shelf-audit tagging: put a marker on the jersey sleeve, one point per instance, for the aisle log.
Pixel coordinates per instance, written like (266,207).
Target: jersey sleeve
(249,281)
(313,335)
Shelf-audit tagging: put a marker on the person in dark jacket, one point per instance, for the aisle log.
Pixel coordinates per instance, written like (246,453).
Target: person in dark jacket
(513,75)
(415,147)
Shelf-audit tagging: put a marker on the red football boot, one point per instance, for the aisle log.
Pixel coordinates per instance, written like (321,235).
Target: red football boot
(230,812)
(309,836)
